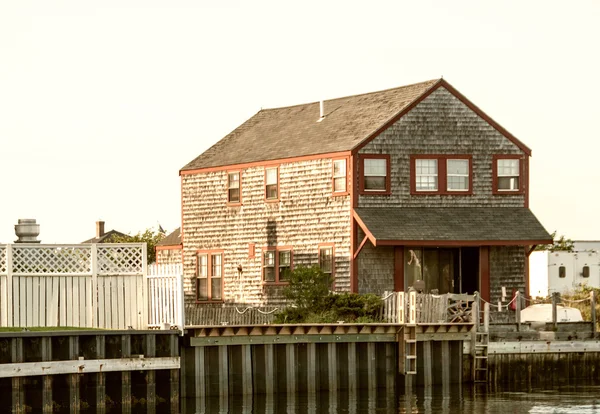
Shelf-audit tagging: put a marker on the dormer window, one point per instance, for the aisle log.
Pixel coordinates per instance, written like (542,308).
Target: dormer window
(375,174)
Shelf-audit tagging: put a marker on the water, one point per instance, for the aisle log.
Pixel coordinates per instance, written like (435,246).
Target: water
(457,399)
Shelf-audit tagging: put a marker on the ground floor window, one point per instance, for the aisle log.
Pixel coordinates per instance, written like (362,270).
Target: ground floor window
(209,276)
(445,270)
(277,264)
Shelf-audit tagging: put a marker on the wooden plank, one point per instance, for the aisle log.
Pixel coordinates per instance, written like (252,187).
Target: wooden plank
(525,347)
(114,309)
(62,319)
(129,296)
(121,302)
(352,374)
(42,303)
(332,366)
(29,305)
(22,293)
(53,305)
(269,369)
(73,298)
(311,362)
(290,368)
(3,301)
(36,309)
(26,369)
(47,406)
(84,305)
(287,339)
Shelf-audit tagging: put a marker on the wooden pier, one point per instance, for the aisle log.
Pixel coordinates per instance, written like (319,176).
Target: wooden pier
(47,371)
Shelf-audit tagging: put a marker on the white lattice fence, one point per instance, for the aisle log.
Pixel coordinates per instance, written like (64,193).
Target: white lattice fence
(165,295)
(101,286)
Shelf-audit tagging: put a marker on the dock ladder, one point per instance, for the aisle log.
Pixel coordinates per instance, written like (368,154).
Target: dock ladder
(480,343)
(480,357)
(407,335)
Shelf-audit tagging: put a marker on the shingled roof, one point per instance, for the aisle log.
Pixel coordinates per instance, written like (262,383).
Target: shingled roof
(293,131)
(467,225)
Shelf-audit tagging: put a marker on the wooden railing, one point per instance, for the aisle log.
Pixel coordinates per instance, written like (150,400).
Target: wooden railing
(413,307)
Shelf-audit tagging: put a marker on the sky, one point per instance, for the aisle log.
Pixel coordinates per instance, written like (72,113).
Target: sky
(103,102)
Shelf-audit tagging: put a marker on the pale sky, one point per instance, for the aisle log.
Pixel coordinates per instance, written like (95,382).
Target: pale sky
(101,103)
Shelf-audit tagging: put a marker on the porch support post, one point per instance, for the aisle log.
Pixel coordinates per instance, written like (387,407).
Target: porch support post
(360,247)
(398,268)
(484,272)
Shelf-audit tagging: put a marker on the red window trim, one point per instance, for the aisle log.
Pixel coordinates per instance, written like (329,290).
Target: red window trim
(234,203)
(276,249)
(271,200)
(332,246)
(251,250)
(442,160)
(361,177)
(495,158)
(209,254)
(345,192)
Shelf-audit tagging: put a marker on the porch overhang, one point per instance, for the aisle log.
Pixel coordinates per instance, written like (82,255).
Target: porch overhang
(451,226)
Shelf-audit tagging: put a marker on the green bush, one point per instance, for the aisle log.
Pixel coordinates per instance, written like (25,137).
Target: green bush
(312,302)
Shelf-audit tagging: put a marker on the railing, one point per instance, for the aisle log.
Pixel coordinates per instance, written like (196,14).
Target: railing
(413,307)
(91,285)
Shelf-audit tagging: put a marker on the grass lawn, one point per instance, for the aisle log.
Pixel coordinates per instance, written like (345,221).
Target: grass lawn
(47,329)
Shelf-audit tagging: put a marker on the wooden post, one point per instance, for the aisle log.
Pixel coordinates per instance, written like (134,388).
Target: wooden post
(352,377)
(94,289)
(427,364)
(9,287)
(518,309)
(311,364)
(401,308)
(101,376)
(269,369)
(18,392)
(332,366)
(47,406)
(290,368)
(554,315)
(475,311)
(412,307)
(151,375)
(486,317)
(74,378)
(174,352)
(593,300)
(126,375)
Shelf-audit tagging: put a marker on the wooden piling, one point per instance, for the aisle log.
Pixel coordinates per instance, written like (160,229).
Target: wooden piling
(125,375)
(352,375)
(47,406)
(427,364)
(151,375)
(332,366)
(311,363)
(100,376)
(174,394)
(74,402)
(290,368)
(18,392)
(371,365)
(269,369)
(247,369)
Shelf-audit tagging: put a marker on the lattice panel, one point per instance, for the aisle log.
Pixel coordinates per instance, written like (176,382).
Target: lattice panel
(114,260)
(3,266)
(51,260)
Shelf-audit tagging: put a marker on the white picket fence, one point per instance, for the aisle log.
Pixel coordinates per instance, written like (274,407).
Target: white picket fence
(165,293)
(93,286)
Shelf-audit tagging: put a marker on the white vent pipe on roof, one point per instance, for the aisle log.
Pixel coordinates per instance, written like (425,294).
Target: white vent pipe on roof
(321,110)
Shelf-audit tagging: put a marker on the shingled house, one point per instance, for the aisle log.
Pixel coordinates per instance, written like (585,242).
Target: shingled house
(168,250)
(378,189)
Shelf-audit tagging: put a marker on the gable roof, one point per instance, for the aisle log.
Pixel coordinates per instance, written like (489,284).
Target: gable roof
(452,225)
(106,237)
(172,239)
(348,124)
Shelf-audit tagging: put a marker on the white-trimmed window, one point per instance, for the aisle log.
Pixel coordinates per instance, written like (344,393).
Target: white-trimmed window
(508,174)
(326,260)
(284,265)
(339,176)
(209,277)
(457,175)
(233,187)
(426,171)
(272,183)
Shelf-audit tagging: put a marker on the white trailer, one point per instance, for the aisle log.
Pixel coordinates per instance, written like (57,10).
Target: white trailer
(569,270)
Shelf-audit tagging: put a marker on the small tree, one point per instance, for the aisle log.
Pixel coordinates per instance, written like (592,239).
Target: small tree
(560,244)
(149,236)
(307,287)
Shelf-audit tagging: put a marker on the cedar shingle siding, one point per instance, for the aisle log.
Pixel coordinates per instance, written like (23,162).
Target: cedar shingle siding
(305,216)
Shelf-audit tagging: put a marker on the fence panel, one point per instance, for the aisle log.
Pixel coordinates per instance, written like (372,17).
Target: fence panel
(165,295)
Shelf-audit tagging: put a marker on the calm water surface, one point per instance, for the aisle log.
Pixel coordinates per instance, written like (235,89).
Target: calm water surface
(458,399)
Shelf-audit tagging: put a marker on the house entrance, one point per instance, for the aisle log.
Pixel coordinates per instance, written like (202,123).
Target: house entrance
(445,270)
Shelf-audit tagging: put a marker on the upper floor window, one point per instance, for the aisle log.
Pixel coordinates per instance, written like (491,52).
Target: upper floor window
(339,176)
(233,187)
(508,175)
(209,276)
(426,175)
(326,260)
(375,178)
(277,264)
(441,174)
(272,183)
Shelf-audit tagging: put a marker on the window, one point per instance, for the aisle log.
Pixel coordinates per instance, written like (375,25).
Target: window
(277,263)
(426,175)
(562,272)
(375,177)
(233,187)
(272,183)
(209,277)
(508,174)
(339,176)
(458,175)
(586,271)
(441,174)
(326,260)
